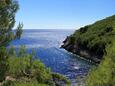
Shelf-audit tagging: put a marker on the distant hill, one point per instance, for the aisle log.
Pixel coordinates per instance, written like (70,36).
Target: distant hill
(96,42)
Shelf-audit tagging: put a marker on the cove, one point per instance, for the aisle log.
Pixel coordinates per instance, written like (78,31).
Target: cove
(46,43)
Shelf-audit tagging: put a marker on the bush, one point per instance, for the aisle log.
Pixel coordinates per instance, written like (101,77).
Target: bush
(57,77)
(3,63)
(28,67)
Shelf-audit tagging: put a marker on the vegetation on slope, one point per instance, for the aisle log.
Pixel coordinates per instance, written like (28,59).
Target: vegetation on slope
(97,43)
(23,68)
(104,74)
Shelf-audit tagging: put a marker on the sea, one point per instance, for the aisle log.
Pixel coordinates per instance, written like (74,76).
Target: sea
(46,43)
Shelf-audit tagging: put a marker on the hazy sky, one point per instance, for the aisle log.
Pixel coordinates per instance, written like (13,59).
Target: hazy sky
(62,14)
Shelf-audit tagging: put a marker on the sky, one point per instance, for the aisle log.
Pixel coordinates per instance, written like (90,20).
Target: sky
(62,14)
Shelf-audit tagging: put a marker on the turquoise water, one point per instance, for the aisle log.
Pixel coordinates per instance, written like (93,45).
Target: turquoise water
(47,45)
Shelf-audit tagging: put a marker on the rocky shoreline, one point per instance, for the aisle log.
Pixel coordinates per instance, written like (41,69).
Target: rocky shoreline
(80,51)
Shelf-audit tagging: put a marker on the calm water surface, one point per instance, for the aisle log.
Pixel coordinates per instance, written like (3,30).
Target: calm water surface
(47,45)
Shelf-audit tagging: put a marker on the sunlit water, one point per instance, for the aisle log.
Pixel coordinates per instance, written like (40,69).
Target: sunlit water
(47,45)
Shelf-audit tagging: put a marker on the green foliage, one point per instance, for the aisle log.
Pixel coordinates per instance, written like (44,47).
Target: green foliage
(72,39)
(28,67)
(83,29)
(42,74)
(104,74)
(8,9)
(99,31)
(95,37)
(99,38)
(28,71)
(57,77)
(19,31)
(3,63)
(22,83)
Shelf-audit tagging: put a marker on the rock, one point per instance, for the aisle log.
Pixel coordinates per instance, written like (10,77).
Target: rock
(78,49)
(9,78)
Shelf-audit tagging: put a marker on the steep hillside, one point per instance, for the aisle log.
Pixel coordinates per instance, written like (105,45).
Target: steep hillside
(90,41)
(96,42)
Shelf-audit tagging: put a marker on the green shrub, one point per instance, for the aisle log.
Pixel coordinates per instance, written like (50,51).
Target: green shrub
(22,83)
(3,63)
(57,77)
(24,66)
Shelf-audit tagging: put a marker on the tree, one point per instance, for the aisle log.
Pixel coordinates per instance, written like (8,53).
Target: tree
(8,9)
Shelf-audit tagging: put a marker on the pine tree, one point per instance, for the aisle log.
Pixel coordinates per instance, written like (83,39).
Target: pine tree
(8,9)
